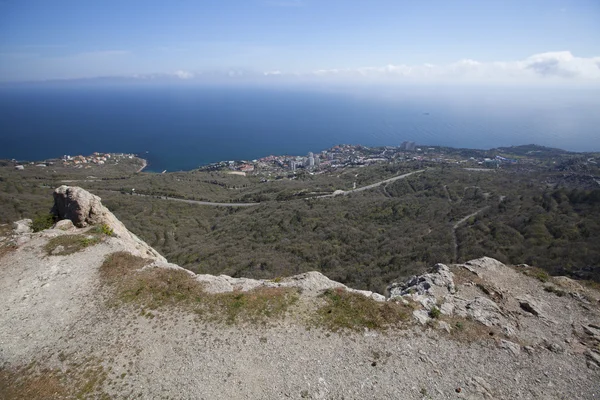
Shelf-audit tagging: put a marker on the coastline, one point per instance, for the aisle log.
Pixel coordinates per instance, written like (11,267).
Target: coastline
(144,165)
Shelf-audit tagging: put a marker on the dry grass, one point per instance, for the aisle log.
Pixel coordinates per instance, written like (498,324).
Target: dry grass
(353,311)
(555,290)
(32,382)
(6,244)
(467,330)
(535,272)
(69,244)
(159,287)
(5,249)
(591,284)
(20,384)
(463,275)
(258,305)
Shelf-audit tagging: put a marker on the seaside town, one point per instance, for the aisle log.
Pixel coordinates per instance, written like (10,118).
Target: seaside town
(80,161)
(336,157)
(341,156)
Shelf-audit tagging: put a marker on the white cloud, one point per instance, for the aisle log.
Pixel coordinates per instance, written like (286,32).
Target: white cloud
(554,67)
(183,74)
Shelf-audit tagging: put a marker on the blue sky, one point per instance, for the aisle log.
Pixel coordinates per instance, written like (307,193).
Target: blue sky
(546,41)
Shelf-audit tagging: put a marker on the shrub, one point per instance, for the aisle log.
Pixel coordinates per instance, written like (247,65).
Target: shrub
(42,221)
(435,312)
(104,229)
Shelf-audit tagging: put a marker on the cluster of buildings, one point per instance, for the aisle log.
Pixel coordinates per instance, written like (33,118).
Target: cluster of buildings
(94,158)
(408,146)
(345,155)
(80,161)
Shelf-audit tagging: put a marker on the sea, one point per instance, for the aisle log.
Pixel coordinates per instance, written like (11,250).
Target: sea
(179,127)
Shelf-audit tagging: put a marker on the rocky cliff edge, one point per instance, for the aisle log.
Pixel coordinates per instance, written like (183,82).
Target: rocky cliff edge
(480,329)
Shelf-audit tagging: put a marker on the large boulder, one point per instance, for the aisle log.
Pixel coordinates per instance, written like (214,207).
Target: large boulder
(78,205)
(85,209)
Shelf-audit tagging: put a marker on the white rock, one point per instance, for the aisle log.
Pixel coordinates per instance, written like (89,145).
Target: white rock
(512,347)
(421,316)
(64,225)
(22,226)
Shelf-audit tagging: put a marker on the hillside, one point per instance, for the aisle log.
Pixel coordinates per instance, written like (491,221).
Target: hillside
(91,311)
(543,209)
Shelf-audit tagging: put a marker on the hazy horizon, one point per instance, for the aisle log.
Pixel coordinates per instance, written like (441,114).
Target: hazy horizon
(538,42)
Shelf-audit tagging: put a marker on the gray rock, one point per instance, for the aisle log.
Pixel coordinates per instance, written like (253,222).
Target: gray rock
(512,347)
(481,386)
(58,249)
(377,297)
(443,325)
(421,316)
(64,225)
(593,359)
(21,240)
(439,278)
(310,283)
(592,331)
(77,205)
(530,306)
(22,226)
(485,263)
(484,310)
(447,308)
(555,348)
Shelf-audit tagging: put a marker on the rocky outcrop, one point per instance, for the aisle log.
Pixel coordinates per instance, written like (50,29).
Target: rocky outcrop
(438,290)
(310,283)
(518,307)
(84,209)
(78,205)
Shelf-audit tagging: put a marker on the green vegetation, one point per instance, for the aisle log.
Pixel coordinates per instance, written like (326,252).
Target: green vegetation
(435,312)
(543,211)
(42,221)
(353,311)
(69,244)
(104,229)
(537,273)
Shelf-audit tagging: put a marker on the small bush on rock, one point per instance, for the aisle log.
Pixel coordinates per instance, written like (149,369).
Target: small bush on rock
(435,312)
(104,229)
(42,222)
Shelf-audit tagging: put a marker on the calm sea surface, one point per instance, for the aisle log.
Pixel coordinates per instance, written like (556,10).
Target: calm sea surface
(181,128)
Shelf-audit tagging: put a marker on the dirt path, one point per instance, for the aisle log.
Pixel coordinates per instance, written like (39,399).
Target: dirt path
(458,224)
(202,203)
(371,186)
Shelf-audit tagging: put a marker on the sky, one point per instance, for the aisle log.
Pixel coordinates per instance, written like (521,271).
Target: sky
(425,41)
